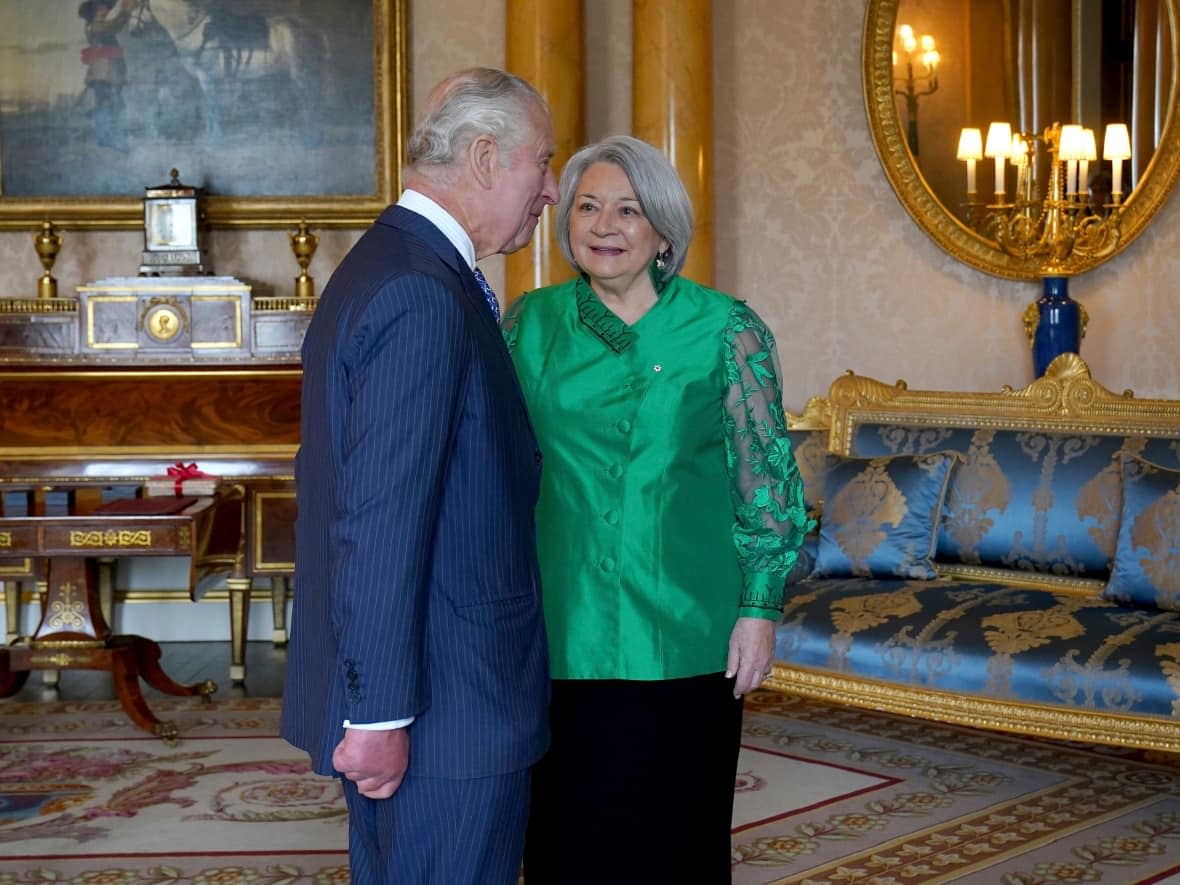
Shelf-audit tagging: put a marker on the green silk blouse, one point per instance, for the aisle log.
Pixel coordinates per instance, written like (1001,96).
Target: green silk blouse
(670,501)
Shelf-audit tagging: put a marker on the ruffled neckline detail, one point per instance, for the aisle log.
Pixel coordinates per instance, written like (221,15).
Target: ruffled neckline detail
(601,321)
(598,318)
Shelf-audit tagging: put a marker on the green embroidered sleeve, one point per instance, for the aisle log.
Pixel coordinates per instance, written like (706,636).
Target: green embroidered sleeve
(508,323)
(770,517)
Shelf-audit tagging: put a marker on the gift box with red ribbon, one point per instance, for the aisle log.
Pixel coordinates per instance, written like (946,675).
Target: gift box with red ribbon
(182,479)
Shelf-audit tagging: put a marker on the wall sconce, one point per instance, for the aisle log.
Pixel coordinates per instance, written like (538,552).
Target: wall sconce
(922,50)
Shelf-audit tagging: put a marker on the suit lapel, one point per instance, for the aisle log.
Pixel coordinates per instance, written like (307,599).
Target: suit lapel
(417,226)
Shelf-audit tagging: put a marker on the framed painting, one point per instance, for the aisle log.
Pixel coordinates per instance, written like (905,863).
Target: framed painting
(280,110)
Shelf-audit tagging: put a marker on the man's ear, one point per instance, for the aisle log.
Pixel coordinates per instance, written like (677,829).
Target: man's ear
(483,155)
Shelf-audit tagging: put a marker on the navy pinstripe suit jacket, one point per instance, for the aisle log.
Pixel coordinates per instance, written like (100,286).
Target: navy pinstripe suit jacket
(417,591)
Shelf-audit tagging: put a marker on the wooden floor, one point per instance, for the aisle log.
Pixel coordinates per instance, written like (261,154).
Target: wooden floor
(186,662)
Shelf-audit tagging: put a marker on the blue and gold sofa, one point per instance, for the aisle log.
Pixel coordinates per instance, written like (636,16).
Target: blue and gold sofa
(1003,560)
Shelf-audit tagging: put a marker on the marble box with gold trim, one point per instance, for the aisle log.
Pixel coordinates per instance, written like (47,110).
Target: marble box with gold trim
(142,318)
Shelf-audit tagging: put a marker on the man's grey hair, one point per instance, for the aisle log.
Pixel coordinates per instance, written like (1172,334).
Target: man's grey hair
(658,187)
(470,103)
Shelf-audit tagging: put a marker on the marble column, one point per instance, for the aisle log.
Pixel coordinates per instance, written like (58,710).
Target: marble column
(544,45)
(672,104)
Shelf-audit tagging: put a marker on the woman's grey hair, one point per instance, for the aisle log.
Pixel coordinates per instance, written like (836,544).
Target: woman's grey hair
(470,103)
(657,186)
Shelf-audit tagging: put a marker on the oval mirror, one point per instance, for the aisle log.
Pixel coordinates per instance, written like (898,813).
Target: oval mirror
(1030,63)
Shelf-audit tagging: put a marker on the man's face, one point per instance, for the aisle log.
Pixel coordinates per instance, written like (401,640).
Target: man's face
(525,187)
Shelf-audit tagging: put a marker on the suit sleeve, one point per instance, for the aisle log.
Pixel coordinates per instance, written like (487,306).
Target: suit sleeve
(406,363)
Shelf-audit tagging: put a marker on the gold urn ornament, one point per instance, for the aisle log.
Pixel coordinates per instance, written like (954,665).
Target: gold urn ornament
(303,244)
(47,242)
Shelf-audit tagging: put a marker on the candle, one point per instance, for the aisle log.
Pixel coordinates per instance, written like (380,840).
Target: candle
(970,149)
(1116,147)
(999,146)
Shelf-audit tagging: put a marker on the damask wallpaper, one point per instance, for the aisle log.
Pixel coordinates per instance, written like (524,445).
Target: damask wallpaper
(807,227)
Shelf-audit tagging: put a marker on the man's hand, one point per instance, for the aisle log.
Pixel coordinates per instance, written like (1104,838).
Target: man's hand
(375,761)
(751,652)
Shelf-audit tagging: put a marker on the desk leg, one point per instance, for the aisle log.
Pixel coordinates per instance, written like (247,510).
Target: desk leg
(280,590)
(11,681)
(106,588)
(239,623)
(135,657)
(12,591)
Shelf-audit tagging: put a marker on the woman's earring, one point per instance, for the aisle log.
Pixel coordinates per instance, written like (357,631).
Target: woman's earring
(662,259)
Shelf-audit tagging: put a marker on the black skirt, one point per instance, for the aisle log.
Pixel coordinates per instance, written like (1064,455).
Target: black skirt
(638,783)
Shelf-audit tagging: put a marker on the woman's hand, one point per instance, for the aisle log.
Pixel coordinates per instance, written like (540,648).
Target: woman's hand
(751,652)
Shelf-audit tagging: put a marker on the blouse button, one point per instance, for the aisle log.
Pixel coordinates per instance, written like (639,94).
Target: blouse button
(607,564)
(615,471)
(624,426)
(611,517)
(657,368)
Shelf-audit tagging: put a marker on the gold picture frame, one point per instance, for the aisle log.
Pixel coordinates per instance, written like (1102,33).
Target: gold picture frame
(187,88)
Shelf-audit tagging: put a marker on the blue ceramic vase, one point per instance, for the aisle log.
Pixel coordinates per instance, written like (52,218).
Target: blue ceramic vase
(1059,324)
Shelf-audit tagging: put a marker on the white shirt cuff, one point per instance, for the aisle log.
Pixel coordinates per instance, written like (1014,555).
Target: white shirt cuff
(379,726)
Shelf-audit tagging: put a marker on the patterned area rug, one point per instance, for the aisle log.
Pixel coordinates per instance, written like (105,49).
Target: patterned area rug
(824,795)
(87,798)
(892,801)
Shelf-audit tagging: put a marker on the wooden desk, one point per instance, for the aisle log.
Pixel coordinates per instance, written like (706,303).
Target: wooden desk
(73,633)
(108,426)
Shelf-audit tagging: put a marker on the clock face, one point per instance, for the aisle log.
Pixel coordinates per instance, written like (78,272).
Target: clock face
(171,224)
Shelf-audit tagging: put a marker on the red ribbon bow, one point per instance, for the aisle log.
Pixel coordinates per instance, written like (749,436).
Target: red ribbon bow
(181,471)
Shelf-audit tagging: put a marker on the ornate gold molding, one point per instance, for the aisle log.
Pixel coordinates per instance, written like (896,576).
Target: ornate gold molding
(1066,399)
(816,415)
(1032,719)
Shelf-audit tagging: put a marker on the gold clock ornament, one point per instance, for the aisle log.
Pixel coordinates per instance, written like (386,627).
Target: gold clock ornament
(172,220)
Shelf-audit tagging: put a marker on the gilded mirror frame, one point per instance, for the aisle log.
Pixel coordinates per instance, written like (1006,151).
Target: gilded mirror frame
(389,70)
(927,210)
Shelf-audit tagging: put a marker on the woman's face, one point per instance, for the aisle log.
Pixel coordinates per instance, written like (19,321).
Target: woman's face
(610,237)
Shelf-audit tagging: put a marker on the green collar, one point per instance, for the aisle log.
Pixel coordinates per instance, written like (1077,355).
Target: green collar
(596,317)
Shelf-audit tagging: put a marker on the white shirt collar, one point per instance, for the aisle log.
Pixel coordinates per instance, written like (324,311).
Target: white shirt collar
(422,205)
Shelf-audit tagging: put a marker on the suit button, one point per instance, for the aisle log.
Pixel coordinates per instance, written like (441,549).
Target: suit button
(537,456)
(611,517)
(607,564)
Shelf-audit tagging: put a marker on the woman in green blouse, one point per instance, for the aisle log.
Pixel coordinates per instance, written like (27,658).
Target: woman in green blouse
(671,511)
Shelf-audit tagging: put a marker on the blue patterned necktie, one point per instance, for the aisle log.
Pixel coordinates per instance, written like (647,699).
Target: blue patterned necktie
(488,294)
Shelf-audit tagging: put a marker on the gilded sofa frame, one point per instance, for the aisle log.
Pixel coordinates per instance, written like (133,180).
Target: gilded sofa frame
(1066,399)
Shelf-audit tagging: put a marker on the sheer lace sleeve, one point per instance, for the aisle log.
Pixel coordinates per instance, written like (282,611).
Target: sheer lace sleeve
(770,517)
(508,323)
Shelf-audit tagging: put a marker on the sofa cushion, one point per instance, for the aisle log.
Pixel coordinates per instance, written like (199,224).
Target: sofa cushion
(1023,499)
(985,640)
(881,515)
(810,448)
(1147,559)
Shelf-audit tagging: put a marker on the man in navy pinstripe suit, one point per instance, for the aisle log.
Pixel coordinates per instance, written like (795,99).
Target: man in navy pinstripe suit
(418,669)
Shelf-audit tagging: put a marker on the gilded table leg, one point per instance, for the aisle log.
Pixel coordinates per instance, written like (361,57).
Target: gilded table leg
(12,591)
(280,588)
(239,623)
